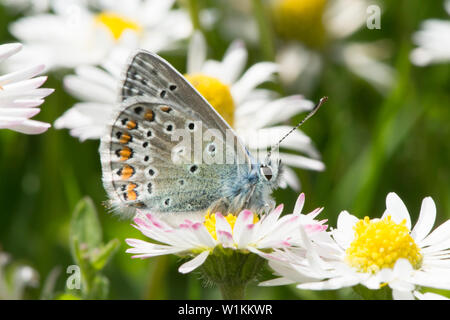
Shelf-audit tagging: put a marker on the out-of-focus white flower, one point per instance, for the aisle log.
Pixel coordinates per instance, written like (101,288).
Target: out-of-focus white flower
(313,30)
(433,41)
(254,113)
(20,95)
(246,233)
(373,253)
(429,296)
(13,284)
(75,35)
(33,6)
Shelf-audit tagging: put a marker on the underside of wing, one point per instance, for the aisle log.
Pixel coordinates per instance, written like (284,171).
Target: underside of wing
(146,165)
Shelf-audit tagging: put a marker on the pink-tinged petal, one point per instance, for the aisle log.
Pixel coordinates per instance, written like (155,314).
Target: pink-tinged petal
(9,49)
(243,219)
(246,237)
(311,228)
(268,222)
(25,85)
(314,213)
(426,220)
(7,122)
(141,223)
(222,224)
(7,96)
(203,237)
(299,203)
(284,228)
(397,209)
(31,127)
(21,74)
(26,103)
(194,263)
(225,238)
(19,112)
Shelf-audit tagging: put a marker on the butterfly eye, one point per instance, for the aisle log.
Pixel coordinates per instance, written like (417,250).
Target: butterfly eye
(266,171)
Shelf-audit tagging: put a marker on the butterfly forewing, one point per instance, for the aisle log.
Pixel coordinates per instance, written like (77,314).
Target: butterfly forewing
(149,155)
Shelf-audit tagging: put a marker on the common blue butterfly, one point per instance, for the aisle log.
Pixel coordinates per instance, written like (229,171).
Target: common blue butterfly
(145,166)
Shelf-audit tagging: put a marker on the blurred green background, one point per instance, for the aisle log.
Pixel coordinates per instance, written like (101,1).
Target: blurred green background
(371,145)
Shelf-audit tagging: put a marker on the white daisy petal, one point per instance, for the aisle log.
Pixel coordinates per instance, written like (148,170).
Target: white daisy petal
(299,203)
(438,235)
(31,127)
(194,263)
(426,220)
(402,295)
(20,96)
(397,209)
(429,296)
(9,49)
(290,178)
(254,76)
(234,62)
(301,162)
(196,54)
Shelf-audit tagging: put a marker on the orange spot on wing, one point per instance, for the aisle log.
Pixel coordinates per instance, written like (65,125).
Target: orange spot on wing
(125,138)
(127,172)
(125,154)
(166,109)
(149,115)
(131,194)
(131,124)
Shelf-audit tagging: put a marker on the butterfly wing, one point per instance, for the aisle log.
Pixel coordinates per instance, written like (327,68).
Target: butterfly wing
(153,155)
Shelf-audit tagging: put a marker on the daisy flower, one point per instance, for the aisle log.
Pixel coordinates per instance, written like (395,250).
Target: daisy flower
(15,278)
(246,233)
(374,253)
(20,95)
(315,31)
(76,34)
(27,5)
(252,112)
(433,41)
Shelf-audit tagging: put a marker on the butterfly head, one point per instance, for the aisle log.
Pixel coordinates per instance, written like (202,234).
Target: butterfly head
(270,172)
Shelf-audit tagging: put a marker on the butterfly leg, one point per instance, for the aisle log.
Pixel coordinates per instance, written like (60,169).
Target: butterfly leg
(221,205)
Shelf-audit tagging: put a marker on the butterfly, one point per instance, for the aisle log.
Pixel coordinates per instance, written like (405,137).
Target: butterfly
(146,167)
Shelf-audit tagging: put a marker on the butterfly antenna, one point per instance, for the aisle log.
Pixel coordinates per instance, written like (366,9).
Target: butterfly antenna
(309,115)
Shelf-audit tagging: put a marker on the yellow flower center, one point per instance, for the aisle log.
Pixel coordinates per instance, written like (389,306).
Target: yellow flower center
(216,93)
(379,244)
(116,24)
(210,222)
(300,20)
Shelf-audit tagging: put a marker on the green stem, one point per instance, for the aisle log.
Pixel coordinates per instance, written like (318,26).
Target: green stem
(232,291)
(194,12)
(265,31)
(384,293)
(156,280)
(231,271)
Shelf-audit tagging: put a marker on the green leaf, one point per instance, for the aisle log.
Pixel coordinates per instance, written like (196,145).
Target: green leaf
(100,287)
(68,296)
(85,226)
(101,256)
